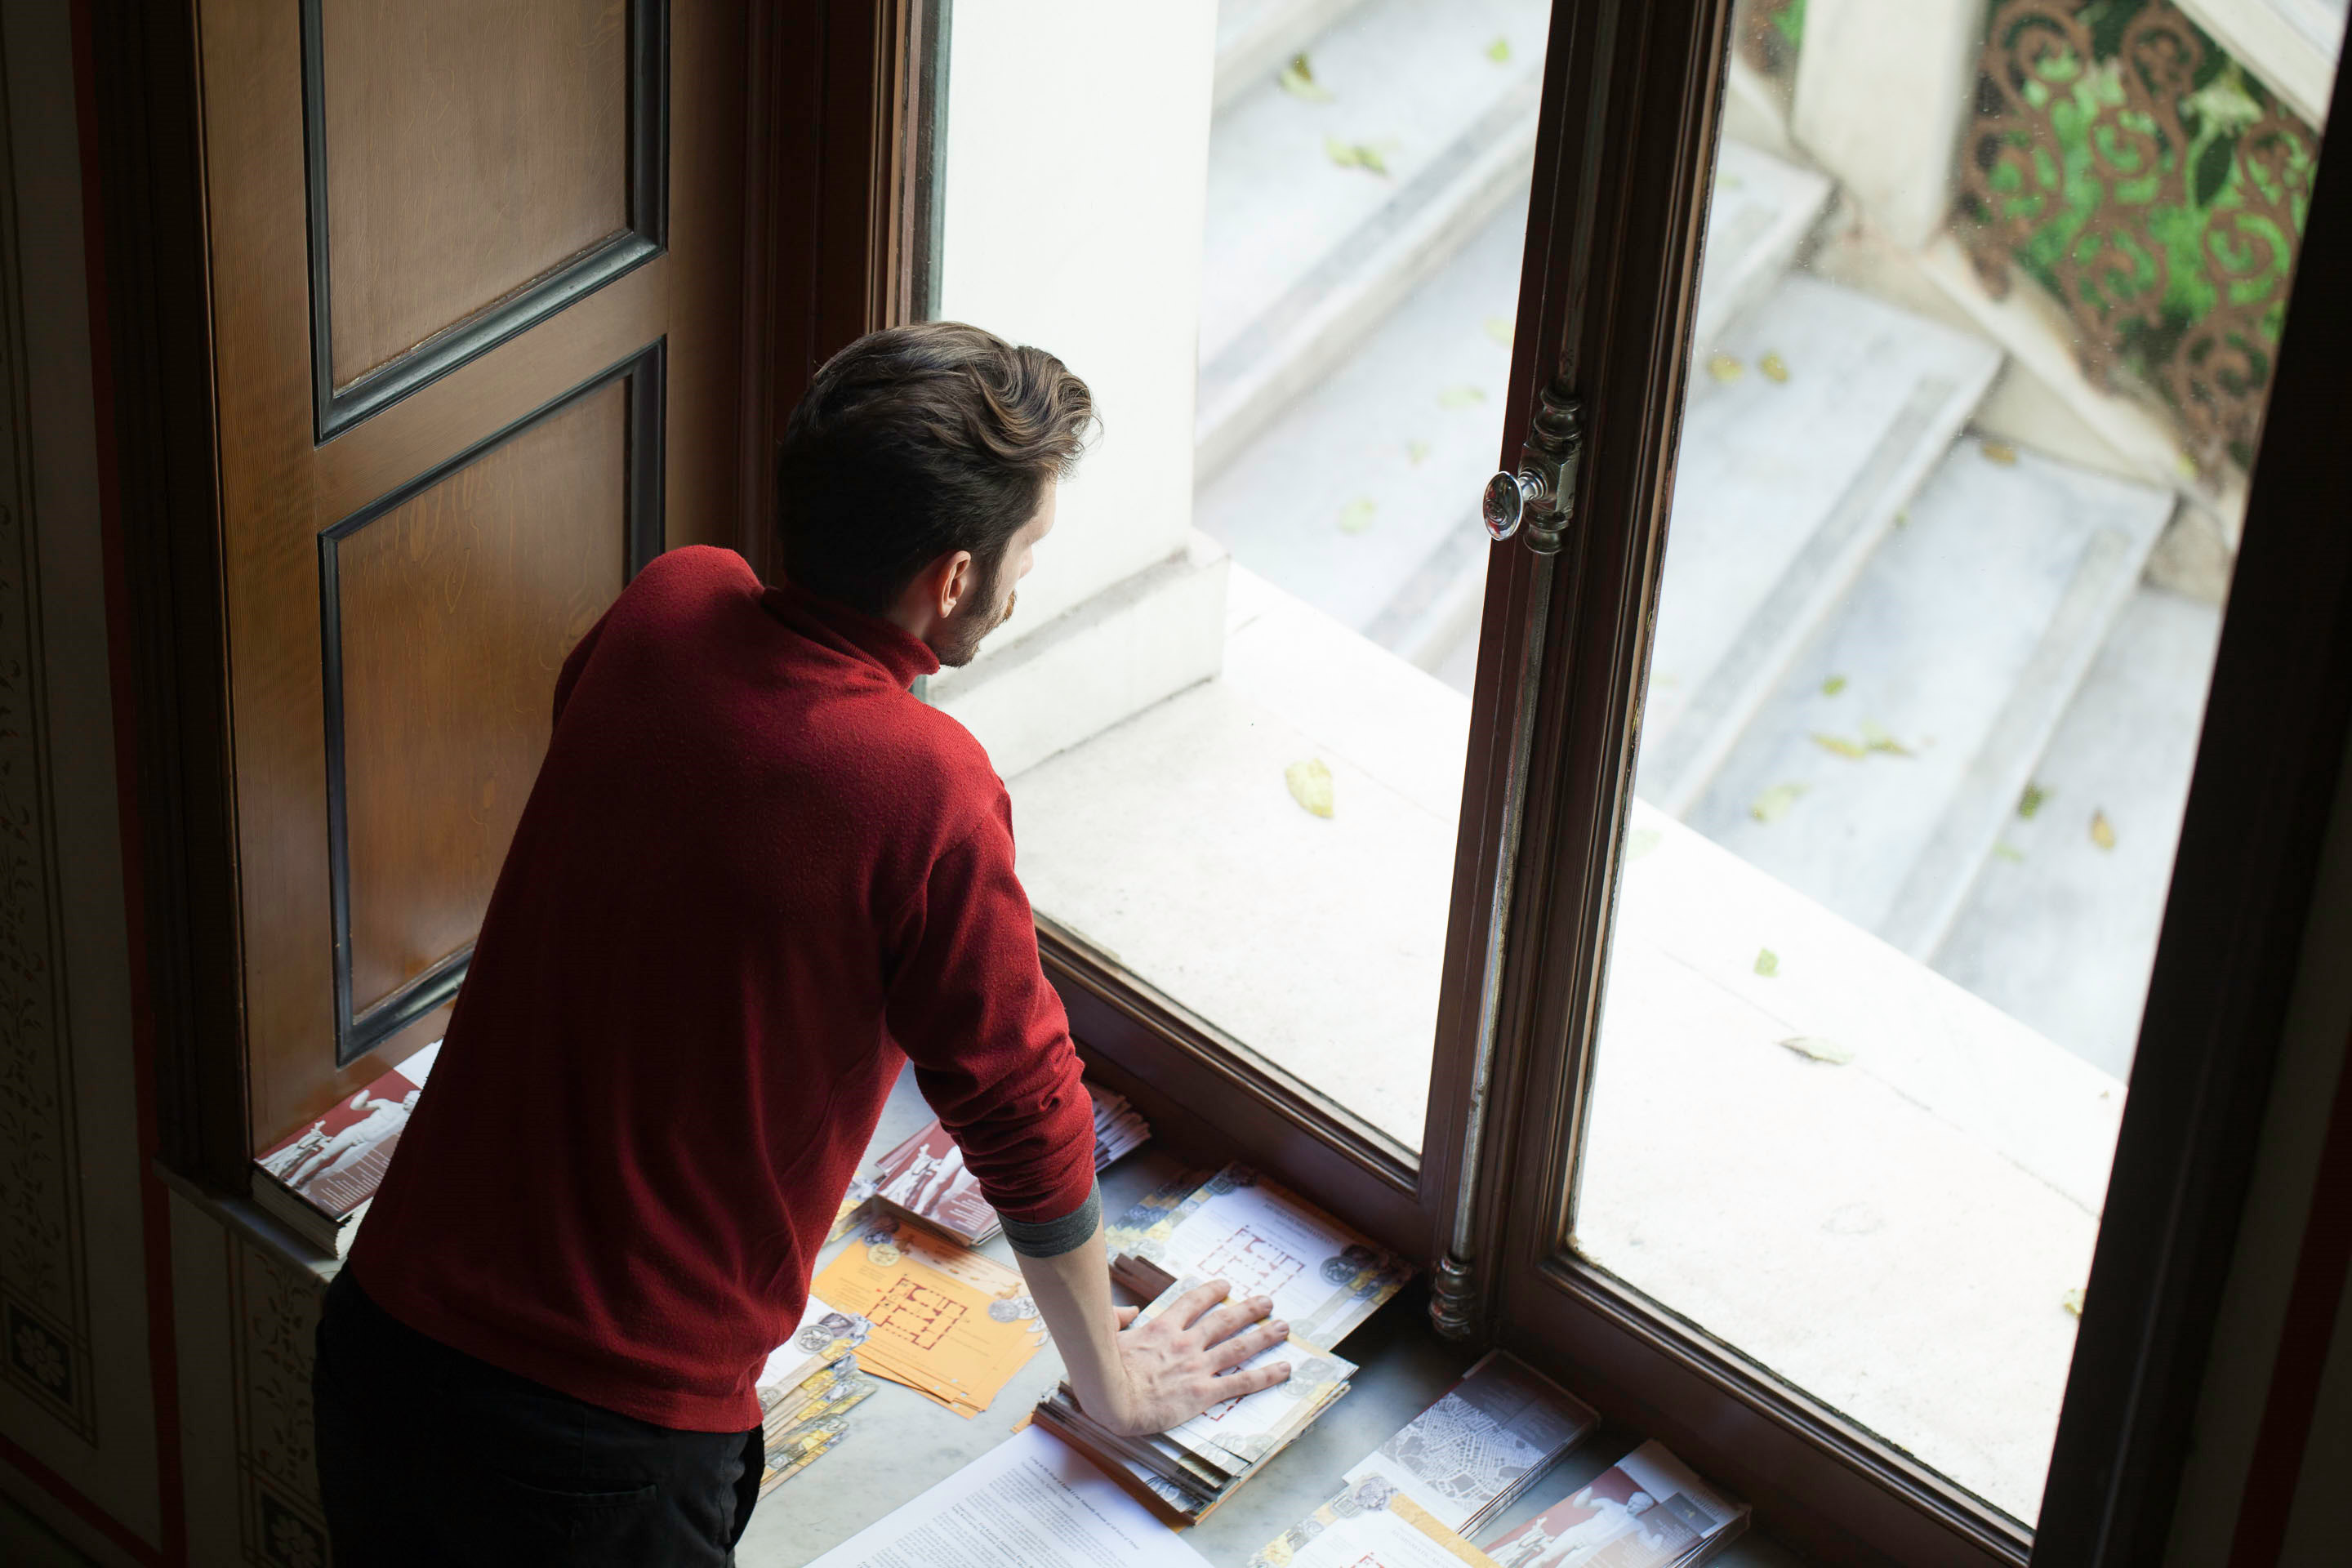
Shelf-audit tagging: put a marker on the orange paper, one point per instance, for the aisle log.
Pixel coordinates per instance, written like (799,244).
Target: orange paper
(948,1323)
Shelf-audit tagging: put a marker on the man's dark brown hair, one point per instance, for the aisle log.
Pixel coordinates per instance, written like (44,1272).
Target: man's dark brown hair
(915,441)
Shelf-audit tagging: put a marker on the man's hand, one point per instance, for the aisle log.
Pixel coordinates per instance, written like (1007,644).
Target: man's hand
(1181,1362)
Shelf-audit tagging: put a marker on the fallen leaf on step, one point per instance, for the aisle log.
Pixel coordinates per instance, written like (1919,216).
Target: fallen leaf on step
(2000,452)
(1357,515)
(1499,329)
(1460,398)
(1499,51)
(2030,801)
(1774,803)
(1299,80)
(1355,155)
(2004,850)
(1310,784)
(1774,367)
(2073,1300)
(1832,686)
(1416,450)
(2103,832)
(1767,962)
(1817,1049)
(1641,841)
(1840,745)
(1878,739)
(1723,367)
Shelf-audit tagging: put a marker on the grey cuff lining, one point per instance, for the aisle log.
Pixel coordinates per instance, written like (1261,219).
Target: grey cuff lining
(1052,1237)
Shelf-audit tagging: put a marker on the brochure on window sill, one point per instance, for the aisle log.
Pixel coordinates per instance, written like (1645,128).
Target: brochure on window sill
(1647,1511)
(1030,1502)
(925,1177)
(1325,1278)
(950,1324)
(1374,1524)
(1467,1457)
(318,1181)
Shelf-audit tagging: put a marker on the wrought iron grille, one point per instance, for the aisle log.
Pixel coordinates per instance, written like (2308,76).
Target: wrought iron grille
(1768,33)
(2121,158)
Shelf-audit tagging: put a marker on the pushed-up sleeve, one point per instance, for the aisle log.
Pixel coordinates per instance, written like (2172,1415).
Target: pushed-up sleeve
(970,1005)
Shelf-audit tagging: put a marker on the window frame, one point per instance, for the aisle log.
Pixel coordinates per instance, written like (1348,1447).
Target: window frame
(1608,285)
(1651,80)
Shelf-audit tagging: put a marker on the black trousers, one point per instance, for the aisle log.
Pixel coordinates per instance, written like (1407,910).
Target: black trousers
(430,1457)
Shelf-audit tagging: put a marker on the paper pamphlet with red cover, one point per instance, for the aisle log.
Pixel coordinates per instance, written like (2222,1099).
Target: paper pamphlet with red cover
(1469,1456)
(1369,1525)
(926,1176)
(321,1179)
(1029,1502)
(1647,1511)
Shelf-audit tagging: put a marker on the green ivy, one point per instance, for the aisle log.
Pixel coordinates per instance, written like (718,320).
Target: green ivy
(1790,25)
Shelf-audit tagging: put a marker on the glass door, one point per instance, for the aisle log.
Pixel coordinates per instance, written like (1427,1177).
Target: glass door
(1283,243)
(1970,395)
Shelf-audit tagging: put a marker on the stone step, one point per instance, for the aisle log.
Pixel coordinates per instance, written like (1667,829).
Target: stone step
(2059,930)
(1302,255)
(1886,762)
(1783,489)
(1408,419)
(1255,39)
(1361,497)
(1290,287)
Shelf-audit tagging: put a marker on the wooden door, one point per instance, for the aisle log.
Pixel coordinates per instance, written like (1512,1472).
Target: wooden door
(475,274)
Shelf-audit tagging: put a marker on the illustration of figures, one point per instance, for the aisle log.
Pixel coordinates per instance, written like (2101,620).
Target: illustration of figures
(935,1183)
(1610,1521)
(380,1120)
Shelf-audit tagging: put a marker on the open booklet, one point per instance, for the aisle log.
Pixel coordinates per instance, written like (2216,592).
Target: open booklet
(1030,1502)
(1263,1239)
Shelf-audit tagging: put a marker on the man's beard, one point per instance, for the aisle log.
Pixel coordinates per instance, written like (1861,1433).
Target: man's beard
(958,643)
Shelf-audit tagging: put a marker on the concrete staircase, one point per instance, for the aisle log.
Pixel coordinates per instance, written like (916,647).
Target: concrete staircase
(1881,633)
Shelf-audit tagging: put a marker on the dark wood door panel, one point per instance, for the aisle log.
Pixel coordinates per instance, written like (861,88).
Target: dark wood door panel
(473,167)
(446,611)
(467,527)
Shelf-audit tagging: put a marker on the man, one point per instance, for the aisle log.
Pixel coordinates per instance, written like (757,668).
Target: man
(755,875)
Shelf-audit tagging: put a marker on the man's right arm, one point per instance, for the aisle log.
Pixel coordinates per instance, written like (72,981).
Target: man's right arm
(970,1005)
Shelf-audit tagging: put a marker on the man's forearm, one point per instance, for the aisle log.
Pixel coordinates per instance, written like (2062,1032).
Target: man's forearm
(1071,1290)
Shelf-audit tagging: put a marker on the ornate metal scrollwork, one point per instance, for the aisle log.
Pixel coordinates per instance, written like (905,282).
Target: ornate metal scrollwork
(2121,157)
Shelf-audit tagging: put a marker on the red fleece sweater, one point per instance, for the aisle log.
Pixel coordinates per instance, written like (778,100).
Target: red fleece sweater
(753,871)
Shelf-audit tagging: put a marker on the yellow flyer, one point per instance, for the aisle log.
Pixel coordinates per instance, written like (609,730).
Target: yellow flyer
(948,1323)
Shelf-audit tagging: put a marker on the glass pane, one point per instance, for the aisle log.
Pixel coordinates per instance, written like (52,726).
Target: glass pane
(1281,240)
(1989,301)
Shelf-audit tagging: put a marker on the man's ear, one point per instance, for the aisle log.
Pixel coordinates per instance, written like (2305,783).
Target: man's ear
(953,581)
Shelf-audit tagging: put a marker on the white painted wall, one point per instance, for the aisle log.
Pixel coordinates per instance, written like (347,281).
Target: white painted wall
(1078,166)
(1882,90)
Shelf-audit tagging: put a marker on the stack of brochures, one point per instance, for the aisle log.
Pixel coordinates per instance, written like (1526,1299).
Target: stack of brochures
(806,1387)
(1182,1474)
(1467,1457)
(1324,1279)
(319,1181)
(952,1324)
(1647,1511)
(925,1179)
